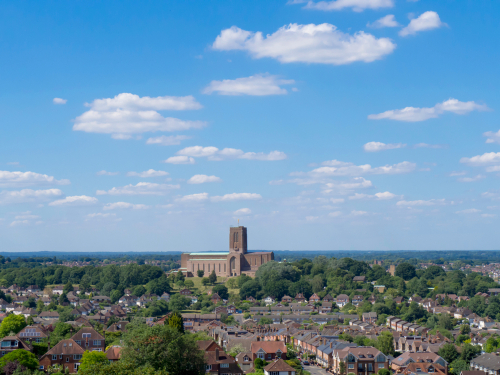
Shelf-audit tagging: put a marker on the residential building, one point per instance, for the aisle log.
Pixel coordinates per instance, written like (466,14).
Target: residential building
(67,354)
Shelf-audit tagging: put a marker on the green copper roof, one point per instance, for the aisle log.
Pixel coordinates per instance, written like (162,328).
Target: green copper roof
(211,253)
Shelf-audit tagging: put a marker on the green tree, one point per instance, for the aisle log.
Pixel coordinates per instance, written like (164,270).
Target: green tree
(264,321)
(119,368)
(249,289)
(68,287)
(24,358)
(342,368)
(459,365)
(469,352)
(139,291)
(175,321)
(162,347)
(63,300)
(406,271)
(205,281)
(221,290)
(212,278)
(385,343)
(200,273)
(189,284)
(12,323)
(445,321)
(178,302)
(465,329)
(85,284)
(91,358)
(383,371)
(448,352)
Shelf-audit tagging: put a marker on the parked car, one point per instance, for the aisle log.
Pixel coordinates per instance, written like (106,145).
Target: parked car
(306,363)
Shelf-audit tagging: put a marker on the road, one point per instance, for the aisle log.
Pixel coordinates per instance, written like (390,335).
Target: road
(315,370)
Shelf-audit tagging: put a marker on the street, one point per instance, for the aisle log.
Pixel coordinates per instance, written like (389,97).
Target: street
(315,370)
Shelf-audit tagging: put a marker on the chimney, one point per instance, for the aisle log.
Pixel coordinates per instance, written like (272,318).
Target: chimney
(217,354)
(48,346)
(258,338)
(331,345)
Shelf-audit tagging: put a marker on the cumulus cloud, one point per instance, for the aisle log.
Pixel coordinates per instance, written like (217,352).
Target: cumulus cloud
(214,154)
(165,140)
(379,146)
(356,5)
(125,205)
(386,21)
(236,197)
(243,211)
(335,214)
(358,213)
(28,196)
(257,85)
(489,215)
(179,160)
(21,179)
(106,173)
(455,173)
(469,211)
(199,197)
(426,145)
(426,21)
(128,114)
(378,196)
(142,188)
(148,173)
(322,44)
(203,178)
(487,158)
(471,179)
(19,222)
(76,200)
(59,101)
(415,114)
(100,215)
(346,186)
(492,137)
(430,202)
(336,168)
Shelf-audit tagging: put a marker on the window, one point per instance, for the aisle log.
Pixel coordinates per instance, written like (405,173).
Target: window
(224,365)
(97,342)
(260,355)
(269,356)
(351,366)
(77,356)
(86,335)
(67,359)
(79,342)
(97,350)
(209,367)
(54,357)
(60,356)
(381,365)
(246,359)
(370,367)
(76,366)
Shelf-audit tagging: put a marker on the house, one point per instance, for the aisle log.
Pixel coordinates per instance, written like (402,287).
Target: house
(269,300)
(268,350)
(220,363)
(127,301)
(231,309)
(251,299)
(360,360)
(369,317)
(33,289)
(300,297)
(128,292)
(89,339)
(185,292)
(287,299)
(100,299)
(325,308)
(342,300)
(360,279)
(67,354)
(10,343)
(488,363)
(380,288)
(216,298)
(279,367)
(165,297)
(314,298)
(114,353)
(422,368)
(328,298)
(244,360)
(357,300)
(400,363)
(59,289)
(47,315)
(32,333)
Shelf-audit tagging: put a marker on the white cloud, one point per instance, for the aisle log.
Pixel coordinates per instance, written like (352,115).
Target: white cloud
(414,114)
(164,140)
(492,137)
(19,222)
(484,159)
(488,215)
(179,160)
(214,154)
(336,200)
(356,5)
(243,211)
(106,173)
(454,174)
(203,178)
(378,196)
(100,215)
(496,168)
(236,197)
(426,145)
(125,205)
(200,197)
(430,202)
(322,44)
(127,114)
(335,213)
(257,85)
(148,173)
(471,179)
(386,21)
(358,213)
(350,169)
(312,218)
(74,201)
(28,195)
(59,101)
(469,211)
(379,146)
(142,188)
(26,216)
(345,186)
(21,179)
(426,21)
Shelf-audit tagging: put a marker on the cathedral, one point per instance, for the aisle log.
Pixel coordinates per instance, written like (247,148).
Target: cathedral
(234,262)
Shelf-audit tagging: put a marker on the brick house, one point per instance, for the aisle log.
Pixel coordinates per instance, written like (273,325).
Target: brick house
(300,297)
(67,353)
(287,299)
(10,343)
(314,298)
(342,300)
(328,298)
(357,300)
(220,363)
(401,363)
(268,350)
(32,334)
(279,367)
(216,298)
(185,292)
(89,339)
(114,354)
(369,317)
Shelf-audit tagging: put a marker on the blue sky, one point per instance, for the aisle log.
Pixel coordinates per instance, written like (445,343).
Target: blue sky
(345,124)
